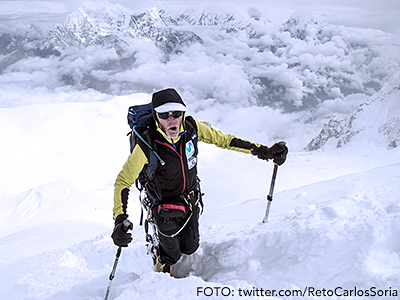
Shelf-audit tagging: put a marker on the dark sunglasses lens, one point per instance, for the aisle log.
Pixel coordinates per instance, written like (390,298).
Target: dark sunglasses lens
(176,114)
(163,115)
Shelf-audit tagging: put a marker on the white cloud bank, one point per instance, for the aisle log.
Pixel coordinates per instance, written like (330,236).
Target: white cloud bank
(241,59)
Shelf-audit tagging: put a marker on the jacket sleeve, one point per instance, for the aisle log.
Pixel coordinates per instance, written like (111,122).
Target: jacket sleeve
(211,135)
(126,178)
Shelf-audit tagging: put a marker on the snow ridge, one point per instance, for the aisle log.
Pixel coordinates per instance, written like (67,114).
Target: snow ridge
(378,120)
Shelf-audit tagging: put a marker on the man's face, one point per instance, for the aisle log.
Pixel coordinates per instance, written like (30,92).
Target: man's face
(170,125)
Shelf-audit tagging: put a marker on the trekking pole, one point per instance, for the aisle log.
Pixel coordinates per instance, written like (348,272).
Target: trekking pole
(114,269)
(271,191)
(127,225)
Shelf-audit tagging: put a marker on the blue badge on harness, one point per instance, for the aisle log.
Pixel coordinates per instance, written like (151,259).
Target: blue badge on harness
(189,150)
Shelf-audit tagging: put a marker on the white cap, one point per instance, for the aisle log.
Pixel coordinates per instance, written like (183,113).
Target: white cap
(170,106)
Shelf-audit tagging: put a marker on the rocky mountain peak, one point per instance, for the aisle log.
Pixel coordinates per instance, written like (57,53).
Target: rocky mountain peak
(376,120)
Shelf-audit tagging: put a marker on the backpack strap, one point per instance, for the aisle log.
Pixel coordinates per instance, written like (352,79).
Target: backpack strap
(191,129)
(146,142)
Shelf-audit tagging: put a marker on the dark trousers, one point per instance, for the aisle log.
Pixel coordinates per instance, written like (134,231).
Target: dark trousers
(186,242)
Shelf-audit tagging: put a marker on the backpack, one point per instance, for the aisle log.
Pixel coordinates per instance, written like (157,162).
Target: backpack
(139,119)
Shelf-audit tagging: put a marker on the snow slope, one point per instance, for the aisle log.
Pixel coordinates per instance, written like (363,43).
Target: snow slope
(376,120)
(334,221)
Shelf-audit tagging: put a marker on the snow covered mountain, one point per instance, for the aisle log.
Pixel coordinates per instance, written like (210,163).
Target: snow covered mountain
(296,65)
(377,120)
(111,28)
(64,93)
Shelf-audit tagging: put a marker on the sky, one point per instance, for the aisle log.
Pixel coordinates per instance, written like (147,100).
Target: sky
(383,14)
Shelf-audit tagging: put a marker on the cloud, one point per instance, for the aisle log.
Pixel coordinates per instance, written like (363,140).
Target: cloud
(242,59)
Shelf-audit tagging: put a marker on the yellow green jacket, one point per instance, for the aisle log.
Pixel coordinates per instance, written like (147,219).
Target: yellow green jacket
(137,160)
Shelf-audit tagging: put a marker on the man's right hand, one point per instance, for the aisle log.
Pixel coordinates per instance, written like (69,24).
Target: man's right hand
(120,235)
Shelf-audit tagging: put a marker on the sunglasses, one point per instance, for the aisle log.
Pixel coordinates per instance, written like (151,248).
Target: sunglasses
(165,115)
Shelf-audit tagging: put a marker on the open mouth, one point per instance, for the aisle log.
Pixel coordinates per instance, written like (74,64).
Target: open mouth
(172,131)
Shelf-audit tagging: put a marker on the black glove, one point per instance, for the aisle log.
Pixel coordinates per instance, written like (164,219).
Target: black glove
(120,235)
(277,152)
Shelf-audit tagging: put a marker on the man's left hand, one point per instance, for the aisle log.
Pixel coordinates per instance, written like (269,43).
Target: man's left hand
(278,152)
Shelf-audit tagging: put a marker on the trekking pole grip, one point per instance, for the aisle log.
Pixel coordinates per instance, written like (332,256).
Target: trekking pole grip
(127,225)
